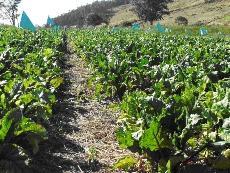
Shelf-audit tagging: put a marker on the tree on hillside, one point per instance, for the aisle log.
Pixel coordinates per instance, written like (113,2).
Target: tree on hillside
(149,10)
(9,9)
(93,19)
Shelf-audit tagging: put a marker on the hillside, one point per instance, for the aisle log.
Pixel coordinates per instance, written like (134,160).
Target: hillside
(196,11)
(78,17)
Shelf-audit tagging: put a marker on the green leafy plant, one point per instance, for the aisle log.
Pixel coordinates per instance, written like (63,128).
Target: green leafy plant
(127,163)
(173,92)
(30,77)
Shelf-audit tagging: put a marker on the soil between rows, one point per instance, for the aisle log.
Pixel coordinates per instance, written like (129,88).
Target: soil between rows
(81,132)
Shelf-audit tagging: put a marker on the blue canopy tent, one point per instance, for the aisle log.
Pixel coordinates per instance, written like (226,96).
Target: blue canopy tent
(136,26)
(203,31)
(160,28)
(26,23)
(50,22)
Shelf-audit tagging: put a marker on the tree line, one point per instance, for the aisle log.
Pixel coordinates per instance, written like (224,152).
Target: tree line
(78,16)
(101,11)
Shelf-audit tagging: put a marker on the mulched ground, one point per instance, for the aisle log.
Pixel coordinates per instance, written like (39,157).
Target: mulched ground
(81,133)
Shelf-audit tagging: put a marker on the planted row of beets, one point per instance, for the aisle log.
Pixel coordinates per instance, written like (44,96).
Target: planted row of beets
(29,79)
(174,93)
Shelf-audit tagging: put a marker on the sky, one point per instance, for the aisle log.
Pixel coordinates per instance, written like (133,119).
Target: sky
(39,10)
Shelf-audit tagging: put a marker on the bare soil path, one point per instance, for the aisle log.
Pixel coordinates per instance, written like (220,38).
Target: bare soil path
(81,133)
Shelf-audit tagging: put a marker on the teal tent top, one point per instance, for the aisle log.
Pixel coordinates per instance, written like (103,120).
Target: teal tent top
(160,28)
(203,31)
(136,26)
(26,23)
(50,21)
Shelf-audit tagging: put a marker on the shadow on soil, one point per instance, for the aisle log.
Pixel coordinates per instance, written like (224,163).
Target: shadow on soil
(59,154)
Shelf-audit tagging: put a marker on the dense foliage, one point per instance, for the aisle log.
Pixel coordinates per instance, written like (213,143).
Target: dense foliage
(29,79)
(93,19)
(174,92)
(78,16)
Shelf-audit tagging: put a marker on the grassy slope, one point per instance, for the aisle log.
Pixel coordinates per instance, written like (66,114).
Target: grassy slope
(196,11)
(122,14)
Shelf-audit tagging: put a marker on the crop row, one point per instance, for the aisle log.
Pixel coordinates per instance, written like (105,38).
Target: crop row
(174,93)
(29,79)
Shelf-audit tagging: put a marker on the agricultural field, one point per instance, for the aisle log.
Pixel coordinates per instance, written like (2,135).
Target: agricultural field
(117,100)
(173,92)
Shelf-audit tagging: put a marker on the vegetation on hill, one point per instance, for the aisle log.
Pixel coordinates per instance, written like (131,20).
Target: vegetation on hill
(116,13)
(78,17)
(199,12)
(149,10)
